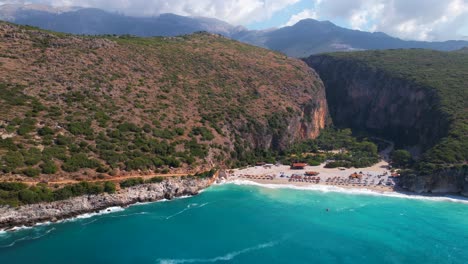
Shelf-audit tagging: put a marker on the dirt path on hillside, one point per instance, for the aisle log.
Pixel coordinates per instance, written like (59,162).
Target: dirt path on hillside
(113,179)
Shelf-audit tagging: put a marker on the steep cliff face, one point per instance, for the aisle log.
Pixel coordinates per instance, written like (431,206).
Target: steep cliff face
(368,99)
(453,180)
(54,211)
(416,98)
(285,128)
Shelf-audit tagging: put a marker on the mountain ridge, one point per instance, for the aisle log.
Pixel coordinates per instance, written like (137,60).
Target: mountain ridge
(305,38)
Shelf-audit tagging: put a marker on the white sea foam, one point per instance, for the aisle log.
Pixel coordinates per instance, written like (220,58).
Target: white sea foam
(189,207)
(27,238)
(86,216)
(102,212)
(327,188)
(82,216)
(227,257)
(114,216)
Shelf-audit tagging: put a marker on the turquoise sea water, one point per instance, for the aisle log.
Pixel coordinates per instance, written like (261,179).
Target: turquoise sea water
(251,224)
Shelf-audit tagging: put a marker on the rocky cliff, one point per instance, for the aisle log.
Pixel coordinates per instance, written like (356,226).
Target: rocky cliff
(369,99)
(453,180)
(31,214)
(416,98)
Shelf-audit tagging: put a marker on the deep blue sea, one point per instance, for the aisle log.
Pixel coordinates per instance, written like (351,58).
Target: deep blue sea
(252,224)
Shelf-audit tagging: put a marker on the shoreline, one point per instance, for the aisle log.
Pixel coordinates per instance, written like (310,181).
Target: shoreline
(396,193)
(17,218)
(30,216)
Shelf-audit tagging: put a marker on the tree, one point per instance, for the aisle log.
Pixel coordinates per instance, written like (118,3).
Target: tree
(401,158)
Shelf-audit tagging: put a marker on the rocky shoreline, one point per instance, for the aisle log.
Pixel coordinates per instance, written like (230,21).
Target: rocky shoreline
(29,215)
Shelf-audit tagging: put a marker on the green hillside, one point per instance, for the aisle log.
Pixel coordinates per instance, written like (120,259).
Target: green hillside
(92,107)
(442,73)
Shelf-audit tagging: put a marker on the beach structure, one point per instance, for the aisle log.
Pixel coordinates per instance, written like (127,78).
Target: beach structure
(298,166)
(355,176)
(312,173)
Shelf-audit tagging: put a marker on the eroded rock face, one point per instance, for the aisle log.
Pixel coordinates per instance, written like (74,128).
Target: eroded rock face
(370,100)
(367,99)
(454,180)
(36,213)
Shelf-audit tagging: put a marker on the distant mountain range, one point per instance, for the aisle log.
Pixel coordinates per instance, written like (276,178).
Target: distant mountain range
(300,40)
(92,21)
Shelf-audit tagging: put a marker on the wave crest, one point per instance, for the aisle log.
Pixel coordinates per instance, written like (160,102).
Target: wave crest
(327,188)
(226,257)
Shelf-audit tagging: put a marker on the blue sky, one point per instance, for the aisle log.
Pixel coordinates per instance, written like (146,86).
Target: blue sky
(408,19)
(282,16)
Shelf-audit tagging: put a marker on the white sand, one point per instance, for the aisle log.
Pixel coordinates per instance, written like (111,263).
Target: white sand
(372,176)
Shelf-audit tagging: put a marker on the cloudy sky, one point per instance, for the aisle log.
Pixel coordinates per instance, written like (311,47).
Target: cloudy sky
(407,19)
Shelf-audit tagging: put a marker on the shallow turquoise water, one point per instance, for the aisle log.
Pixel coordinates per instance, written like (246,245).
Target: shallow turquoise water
(249,224)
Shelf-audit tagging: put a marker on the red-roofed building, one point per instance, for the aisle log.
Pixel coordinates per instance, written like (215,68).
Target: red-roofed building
(298,166)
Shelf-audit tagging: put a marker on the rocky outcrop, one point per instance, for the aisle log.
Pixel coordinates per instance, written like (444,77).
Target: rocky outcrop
(31,214)
(284,129)
(368,99)
(453,180)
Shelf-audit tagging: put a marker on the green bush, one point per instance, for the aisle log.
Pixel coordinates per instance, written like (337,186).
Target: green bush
(205,133)
(206,174)
(109,187)
(131,182)
(13,160)
(45,131)
(27,126)
(31,172)
(32,156)
(156,180)
(27,196)
(54,152)
(8,144)
(12,186)
(340,163)
(139,163)
(79,161)
(49,167)
(401,158)
(81,128)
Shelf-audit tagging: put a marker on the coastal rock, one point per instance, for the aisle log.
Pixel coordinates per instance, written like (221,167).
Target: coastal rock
(453,180)
(29,215)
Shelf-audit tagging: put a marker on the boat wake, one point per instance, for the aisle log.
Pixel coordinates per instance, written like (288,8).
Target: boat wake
(27,238)
(326,189)
(226,257)
(189,207)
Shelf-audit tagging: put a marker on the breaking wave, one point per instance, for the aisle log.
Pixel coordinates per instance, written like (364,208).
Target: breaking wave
(326,189)
(27,238)
(226,257)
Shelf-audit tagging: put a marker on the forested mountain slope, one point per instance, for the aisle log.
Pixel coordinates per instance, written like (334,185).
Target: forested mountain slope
(87,105)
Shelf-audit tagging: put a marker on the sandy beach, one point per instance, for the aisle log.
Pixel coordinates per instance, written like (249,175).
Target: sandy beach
(376,178)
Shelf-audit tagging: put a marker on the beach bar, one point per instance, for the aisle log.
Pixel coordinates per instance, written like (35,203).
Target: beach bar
(298,166)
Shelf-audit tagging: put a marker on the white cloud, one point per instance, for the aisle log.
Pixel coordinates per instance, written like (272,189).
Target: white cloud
(407,19)
(307,13)
(415,19)
(232,11)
